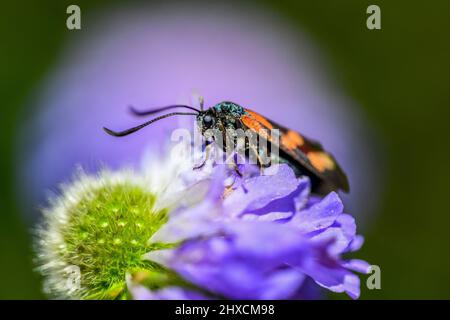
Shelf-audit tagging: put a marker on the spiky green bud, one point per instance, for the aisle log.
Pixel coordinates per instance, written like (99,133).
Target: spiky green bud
(95,233)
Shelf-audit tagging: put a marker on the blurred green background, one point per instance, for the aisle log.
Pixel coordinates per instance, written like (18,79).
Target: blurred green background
(399,75)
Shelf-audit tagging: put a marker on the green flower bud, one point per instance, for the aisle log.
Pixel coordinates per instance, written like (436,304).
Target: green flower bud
(95,233)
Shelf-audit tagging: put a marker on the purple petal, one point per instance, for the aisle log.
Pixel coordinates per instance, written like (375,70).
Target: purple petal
(302,198)
(258,191)
(272,216)
(350,285)
(282,284)
(356,243)
(341,234)
(357,265)
(320,215)
(287,205)
(237,265)
(168,293)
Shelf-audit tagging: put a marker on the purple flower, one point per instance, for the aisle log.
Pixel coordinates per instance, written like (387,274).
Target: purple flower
(246,236)
(264,240)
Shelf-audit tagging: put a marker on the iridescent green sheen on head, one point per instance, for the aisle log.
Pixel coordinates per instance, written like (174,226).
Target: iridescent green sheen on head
(229,107)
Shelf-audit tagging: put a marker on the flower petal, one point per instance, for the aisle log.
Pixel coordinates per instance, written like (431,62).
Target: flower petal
(169,293)
(320,215)
(357,265)
(257,192)
(350,285)
(341,233)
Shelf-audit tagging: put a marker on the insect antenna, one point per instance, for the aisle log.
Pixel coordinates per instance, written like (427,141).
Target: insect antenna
(201,101)
(153,111)
(139,127)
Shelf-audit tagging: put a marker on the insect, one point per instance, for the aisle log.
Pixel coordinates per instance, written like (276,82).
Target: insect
(305,156)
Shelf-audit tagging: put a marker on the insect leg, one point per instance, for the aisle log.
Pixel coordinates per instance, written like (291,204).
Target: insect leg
(231,162)
(207,154)
(258,158)
(236,169)
(231,158)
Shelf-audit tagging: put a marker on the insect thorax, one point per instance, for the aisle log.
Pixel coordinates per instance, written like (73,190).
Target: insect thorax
(228,113)
(230,108)
(220,118)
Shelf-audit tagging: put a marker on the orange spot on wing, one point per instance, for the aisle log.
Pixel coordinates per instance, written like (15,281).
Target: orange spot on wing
(251,123)
(256,126)
(321,160)
(292,140)
(263,121)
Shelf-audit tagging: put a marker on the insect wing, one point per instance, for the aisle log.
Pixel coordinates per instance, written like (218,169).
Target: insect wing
(306,152)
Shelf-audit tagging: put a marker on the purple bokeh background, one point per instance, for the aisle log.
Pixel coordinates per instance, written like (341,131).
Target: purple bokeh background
(152,56)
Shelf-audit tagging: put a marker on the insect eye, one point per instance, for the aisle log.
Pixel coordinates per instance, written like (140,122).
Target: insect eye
(208,121)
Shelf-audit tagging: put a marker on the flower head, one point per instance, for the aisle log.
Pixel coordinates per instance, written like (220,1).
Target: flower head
(206,233)
(263,240)
(100,225)
(96,231)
